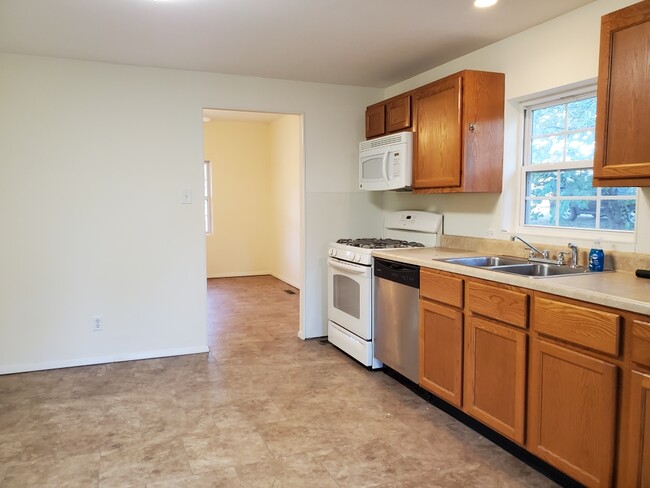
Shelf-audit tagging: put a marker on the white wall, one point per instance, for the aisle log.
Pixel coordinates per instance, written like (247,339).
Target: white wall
(286,188)
(93,160)
(560,52)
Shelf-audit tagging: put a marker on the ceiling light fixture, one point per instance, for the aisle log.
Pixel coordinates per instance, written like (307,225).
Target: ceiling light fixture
(484,3)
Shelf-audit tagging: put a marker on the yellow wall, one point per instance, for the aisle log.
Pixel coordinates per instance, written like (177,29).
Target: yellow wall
(255,198)
(241,170)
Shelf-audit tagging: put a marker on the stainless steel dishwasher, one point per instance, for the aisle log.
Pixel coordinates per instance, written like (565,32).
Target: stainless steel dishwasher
(396,292)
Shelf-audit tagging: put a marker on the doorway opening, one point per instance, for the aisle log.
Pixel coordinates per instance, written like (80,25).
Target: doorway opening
(255,185)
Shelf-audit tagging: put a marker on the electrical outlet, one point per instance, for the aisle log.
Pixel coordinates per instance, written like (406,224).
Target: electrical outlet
(98,323)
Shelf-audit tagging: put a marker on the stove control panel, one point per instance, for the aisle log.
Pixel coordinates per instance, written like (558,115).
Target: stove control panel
(351,255)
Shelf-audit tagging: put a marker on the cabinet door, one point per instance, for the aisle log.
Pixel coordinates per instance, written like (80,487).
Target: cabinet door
(638,468)
(572,412)
(398,112)
(375,120)
(495,376)
(441,351)
(622,154)
(437,140)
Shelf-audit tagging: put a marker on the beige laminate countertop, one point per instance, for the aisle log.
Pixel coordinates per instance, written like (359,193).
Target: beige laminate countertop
(616,289)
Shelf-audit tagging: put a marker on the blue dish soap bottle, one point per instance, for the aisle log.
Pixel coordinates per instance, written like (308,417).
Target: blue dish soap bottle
(596,257)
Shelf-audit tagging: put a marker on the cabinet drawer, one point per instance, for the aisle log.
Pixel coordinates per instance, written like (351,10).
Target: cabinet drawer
(498,303)
(641,342)
(441,288)
(583,326)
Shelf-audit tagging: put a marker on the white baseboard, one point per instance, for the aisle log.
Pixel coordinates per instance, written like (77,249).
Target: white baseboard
(287,281)
(69,363)
(238,274)
(255,273)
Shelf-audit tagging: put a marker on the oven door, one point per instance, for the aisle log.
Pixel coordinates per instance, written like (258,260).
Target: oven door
(349,296)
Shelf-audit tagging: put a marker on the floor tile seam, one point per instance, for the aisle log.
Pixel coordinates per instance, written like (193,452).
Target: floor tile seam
(234,465)
(320,461)
(293,455)
(193,473)
(279,455)
(52,460)
(138,447)
(30,459)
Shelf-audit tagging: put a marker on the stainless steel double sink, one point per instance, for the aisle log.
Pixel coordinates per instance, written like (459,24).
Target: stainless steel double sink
(519,266)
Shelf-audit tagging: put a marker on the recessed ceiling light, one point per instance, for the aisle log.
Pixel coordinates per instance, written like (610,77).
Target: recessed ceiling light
(484,3)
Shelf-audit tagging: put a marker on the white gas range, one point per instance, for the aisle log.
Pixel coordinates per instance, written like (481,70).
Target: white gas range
(350,279)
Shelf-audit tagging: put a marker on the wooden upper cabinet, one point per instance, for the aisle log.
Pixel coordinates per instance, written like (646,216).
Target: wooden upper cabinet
(437,142)
(622,152)
(375,120)
(398,113)
(391,115)
(458,133)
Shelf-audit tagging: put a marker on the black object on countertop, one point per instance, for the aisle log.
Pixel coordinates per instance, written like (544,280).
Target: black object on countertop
(643,273)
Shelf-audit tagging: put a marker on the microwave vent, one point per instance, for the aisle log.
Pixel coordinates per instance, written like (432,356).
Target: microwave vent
(383,141)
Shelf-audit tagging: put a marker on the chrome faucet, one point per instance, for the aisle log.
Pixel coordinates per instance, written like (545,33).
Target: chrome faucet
(533,249)
(574,255)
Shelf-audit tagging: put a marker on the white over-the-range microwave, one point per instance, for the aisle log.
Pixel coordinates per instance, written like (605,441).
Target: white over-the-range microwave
(386,163)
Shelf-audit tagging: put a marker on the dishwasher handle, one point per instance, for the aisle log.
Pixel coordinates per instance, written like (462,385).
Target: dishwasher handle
(402,273)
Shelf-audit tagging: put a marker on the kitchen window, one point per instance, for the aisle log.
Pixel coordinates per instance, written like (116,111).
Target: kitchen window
(207,195)
(557,170)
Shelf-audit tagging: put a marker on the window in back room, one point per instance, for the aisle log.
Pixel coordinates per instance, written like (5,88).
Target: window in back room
(207,195)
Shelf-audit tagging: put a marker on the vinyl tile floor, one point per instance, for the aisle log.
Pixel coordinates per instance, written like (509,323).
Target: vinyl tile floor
(261,409)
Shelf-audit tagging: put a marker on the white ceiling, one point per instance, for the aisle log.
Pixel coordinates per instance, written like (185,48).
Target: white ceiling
(355,42)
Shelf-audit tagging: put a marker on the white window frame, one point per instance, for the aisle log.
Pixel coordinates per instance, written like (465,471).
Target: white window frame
(207,196)
(554,98)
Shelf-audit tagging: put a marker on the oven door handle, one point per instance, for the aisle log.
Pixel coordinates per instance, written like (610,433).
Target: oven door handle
(348,267)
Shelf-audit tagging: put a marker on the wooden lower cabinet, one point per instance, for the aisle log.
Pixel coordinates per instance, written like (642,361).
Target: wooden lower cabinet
(637,462)
(495,376)
(572,412)
(441,351)
(569,381)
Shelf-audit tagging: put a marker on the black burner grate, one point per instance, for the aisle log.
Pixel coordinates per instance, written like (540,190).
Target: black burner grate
(379,243)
